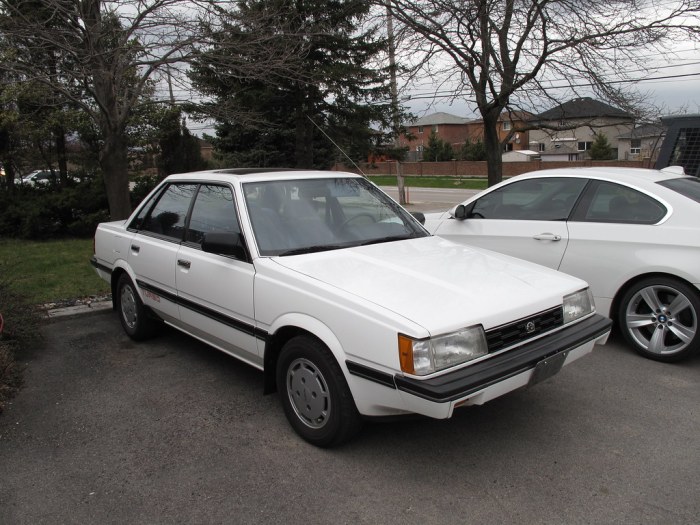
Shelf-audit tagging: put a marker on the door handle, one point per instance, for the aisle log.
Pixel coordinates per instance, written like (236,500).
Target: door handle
(135,248)
(547,237)
(184,263)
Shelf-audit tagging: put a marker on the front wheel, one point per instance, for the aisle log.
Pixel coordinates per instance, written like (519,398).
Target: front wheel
(659,318)
(132,313)
(314,394)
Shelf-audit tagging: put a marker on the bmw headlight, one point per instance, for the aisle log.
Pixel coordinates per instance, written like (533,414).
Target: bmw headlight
(577,305)
(425,356)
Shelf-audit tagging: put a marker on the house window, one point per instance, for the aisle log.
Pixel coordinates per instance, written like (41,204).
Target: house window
(508,146)
(541,147)
(636,146)
(419,148)
(435,128)
(420,129)
(584,146)
(507,125)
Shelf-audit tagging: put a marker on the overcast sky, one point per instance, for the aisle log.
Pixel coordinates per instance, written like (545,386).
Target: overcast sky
(674,88)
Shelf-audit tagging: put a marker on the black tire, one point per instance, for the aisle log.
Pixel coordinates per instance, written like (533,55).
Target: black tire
(314,394)
(659,317)
(133,315)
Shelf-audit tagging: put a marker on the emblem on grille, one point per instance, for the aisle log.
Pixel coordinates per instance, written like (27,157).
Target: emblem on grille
(530,327)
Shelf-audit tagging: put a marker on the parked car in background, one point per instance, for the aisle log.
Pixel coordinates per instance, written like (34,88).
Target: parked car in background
(632,234)
(349,306)
(39,177)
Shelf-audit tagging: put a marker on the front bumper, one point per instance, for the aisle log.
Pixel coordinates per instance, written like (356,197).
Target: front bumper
(488,379)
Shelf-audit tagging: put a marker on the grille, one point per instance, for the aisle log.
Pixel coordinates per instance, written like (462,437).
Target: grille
(516,332)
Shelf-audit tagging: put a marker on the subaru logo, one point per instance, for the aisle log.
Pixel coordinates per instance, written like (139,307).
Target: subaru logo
(530,327)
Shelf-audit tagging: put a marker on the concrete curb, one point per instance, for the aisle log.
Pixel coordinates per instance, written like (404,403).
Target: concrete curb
(81,309)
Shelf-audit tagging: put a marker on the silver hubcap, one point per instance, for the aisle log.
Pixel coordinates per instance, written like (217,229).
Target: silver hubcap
(127,300)
(661,319)
(308,393)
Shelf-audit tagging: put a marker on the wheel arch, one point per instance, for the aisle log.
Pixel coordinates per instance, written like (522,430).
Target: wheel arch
(615,305)
(117,272)
(289,327)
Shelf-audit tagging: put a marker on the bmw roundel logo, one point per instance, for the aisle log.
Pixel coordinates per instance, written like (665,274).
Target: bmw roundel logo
(530,327)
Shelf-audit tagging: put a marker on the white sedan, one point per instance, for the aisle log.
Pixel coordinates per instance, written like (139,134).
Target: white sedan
(632,234)
(344,301)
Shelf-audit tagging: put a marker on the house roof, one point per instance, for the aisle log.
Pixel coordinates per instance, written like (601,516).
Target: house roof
(584,107)
(644,131)
(439,118)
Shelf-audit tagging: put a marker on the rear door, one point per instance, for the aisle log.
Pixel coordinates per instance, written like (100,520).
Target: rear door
(152,252)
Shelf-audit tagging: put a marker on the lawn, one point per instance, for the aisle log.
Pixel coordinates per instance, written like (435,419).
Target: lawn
(433,182)
(50,271)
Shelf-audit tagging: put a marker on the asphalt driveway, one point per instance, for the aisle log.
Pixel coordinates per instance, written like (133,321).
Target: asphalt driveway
(171,431)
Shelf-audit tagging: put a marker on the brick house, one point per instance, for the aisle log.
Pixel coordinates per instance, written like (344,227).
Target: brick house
(567,131)
(456,131)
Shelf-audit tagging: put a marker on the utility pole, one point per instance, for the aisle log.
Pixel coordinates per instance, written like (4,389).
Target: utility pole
(395,103)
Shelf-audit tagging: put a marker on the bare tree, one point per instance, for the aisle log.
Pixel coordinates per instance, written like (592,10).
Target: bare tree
(108,56)
(508,55)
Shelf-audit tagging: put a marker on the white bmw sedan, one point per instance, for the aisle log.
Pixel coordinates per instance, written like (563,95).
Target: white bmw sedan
(346,303)
(632,234)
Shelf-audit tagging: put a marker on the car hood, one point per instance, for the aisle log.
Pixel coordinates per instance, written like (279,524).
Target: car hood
(439,284)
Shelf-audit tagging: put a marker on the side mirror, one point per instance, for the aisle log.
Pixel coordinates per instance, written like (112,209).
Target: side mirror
(229,244)
(461,212)
(420,216)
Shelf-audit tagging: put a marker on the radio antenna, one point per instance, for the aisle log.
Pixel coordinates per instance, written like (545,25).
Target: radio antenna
(339,148)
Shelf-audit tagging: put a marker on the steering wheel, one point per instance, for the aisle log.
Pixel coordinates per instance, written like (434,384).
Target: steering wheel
(353,218)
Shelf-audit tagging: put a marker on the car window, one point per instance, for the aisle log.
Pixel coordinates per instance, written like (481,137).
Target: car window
(610,202)
(297,216)
(168,216)
(542,199)
(688,186)
(213,211)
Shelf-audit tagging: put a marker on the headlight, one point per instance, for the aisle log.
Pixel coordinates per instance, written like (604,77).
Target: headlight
(425,356)
(577,305)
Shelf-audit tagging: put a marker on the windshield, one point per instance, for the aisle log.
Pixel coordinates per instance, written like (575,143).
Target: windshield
(688,186)
(303,216)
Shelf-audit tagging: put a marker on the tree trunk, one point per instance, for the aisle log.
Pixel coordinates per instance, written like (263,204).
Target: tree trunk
(115,168)
(303,152)
(60,141)
(401,183)
(494,158)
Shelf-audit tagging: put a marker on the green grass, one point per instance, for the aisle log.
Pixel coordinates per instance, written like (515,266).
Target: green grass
(50,271)
(432,182)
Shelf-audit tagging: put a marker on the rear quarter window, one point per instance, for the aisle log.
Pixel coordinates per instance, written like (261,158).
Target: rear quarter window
(615,203)
(688,187)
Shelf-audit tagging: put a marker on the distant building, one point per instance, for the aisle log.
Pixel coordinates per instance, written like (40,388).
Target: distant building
(641,143)
(457,131)
(567,131)
(523,155)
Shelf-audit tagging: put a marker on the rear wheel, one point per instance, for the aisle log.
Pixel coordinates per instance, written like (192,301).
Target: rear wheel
(314,394)
(132,313)
(659,317)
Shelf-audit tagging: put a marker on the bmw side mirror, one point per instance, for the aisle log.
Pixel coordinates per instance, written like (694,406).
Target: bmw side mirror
(461,212)
(419,216)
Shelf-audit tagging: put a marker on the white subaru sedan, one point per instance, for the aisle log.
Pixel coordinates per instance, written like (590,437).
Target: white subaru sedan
(346,303)
(632,234)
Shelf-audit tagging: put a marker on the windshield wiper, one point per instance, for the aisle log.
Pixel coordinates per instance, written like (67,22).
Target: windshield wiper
(313,249)
(391,238)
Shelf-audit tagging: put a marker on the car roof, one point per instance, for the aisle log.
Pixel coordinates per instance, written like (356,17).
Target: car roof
(259,174)
(631,176)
